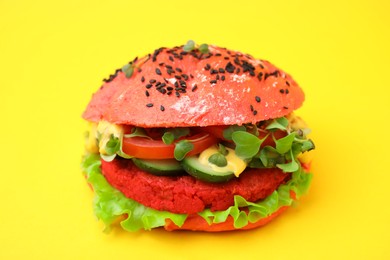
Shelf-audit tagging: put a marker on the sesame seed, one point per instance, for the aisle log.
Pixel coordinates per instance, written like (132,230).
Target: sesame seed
(230,67)
(226,57)
(158,71)
(254,112)
(177,77)
(252,108)
(213,81)
(170,58)
(221,70)
(258,99)
(213,71)
(148,86)
(287,91)
(152,81)
(162,108)
(223,77)
(142,79)
(194,88)
(207,67)
(287,83)
(178,70)
(281,91)
(260,75)
(238,70)
(149,104)
(285,107)
(147,93)
(177,94)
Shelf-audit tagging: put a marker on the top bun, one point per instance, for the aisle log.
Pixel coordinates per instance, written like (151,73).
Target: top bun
(177,88)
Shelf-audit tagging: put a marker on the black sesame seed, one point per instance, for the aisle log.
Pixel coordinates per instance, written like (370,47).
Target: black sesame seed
(162,85)
(281,91)
(287,83)
(191,76)
(177,94)
(254,112)
(260,75)
(287,91)
(142,79)
(161,64)
(194,88)
(177,76)
(170,58)
(168,66)
(148,86)
(149,104)
(218,54)
(252,108)
(258,99)
(238,70)
(183,83)
(252,73)
(213,71)
(226,57)
(207,67)
(158,83)
(185,76)
(213,81)
(285,107)
(152,81)
(170,71)
(158,71)
(217,77)
(223,77)
(147,93)
(221,70)
(230,67)
(162,108)
(178,70)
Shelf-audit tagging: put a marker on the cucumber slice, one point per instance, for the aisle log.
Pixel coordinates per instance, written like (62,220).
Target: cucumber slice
(163,167)
(203,172)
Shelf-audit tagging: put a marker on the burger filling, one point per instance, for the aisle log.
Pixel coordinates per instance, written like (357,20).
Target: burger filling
(149,175)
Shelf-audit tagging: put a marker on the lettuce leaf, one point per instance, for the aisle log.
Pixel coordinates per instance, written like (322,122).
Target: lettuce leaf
(110,204)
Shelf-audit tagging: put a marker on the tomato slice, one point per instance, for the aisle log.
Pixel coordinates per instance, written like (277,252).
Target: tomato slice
(216,131)
(144,148)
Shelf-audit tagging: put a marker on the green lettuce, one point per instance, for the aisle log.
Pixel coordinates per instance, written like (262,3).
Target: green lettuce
(109,203)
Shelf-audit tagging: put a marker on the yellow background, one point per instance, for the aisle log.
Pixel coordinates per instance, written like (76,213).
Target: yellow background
(54,54)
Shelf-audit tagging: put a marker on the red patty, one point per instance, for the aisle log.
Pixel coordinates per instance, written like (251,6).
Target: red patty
(185,194)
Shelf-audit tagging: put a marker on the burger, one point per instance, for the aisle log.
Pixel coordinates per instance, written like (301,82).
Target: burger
(196,137)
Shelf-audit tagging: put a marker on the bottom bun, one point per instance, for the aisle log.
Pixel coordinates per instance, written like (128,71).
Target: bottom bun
(195,222)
